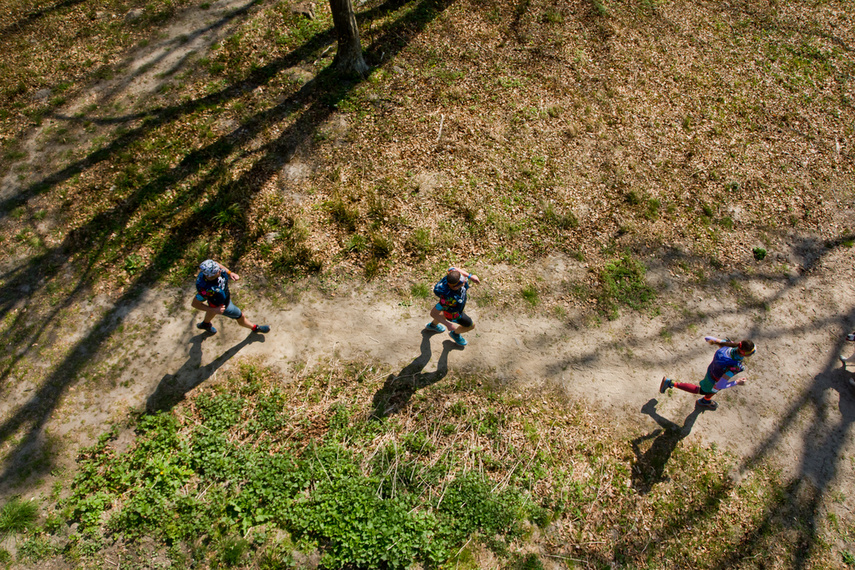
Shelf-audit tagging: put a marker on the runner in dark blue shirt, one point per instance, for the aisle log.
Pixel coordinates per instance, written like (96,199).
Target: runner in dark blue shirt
(451,291)
(212,296)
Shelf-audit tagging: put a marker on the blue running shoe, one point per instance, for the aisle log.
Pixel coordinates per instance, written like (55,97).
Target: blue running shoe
(458,339)
(206,327)
(435,327)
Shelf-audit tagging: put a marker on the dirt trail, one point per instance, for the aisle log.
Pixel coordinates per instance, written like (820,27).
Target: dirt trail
(796,410)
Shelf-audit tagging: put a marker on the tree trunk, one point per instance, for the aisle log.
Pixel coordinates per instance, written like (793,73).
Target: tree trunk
(348,58)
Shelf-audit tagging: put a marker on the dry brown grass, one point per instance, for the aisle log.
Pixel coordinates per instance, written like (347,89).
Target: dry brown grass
(495,134)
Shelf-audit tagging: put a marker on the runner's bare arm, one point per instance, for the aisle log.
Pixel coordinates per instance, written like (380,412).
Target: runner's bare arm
(200,306)
(465,274)
(231,275)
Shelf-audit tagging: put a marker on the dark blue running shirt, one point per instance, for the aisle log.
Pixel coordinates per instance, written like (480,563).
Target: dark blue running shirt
(450,300)
(215,292)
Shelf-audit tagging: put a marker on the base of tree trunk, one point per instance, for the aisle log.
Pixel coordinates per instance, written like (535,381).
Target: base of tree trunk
(352,64)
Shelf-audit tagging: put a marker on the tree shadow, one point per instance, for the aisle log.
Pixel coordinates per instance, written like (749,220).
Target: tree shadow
(172,388)
(650,465)
(186,185)
(799,505)
(795,509)
(32,18)
(399,388)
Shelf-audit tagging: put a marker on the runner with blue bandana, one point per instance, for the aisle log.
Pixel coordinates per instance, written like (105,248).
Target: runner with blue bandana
(212,297)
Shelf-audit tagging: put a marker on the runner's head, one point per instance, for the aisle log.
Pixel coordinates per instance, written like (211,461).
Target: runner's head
(453,278)
(746,348)
(210,269)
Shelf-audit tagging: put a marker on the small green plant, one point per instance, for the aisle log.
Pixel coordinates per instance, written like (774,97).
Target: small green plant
(355,243)
(622,283)
(295,261)
(552,16)
(527,562)
(565,221)
(230,216)
(420,291)
(759,253)
(378,208)
(373,267)
(232,550)
(343,214)
(652,210)
(14,154)
(848,558)
(133,263)
(530,294)
(381,246)
(18,516)
(420,243)
(37,548)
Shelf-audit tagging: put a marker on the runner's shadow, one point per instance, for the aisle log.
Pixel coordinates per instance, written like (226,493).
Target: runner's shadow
(650,465)
(173,387)
(398,389)
(840,380)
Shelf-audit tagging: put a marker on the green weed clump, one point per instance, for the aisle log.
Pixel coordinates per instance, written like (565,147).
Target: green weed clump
(18,516)
(419,243)
(240,458)
(531,295)
(420,291)
(563,221)
(622,283)
(343,213)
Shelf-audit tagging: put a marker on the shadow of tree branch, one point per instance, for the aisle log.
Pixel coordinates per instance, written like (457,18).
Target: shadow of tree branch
(317,99)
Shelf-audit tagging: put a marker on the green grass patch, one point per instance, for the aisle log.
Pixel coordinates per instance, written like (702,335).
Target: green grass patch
(308,476)
(622,282)
(561,220)
(257,467)
(420,290)
(531,295)
(18,515)
(419,243)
